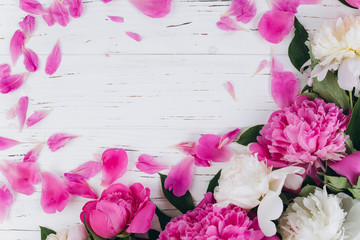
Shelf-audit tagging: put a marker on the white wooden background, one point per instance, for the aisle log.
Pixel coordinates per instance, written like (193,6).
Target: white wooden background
(144,97)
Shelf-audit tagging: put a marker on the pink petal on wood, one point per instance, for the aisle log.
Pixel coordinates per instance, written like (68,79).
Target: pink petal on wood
(134,36)
(230,89)
(16,44)
(54,194)
(48,17)
(186,147)
(76,8)
(6,143)
(78,186)
(88,169)
(53,60)
(31,60)
(36,117)
(348,167)
(33,154)
(286,5)
(209,149)
(243,10)
(21,176)
(5,70)
(229,137)
(153,8)
(319,1)
(116,19)
(60,13)
(228,24)
(6,200)
(59,140)
(114,165)
(21,111)
(149,165)
(106,1)
(27,26)
(180,176)
(31,6)
(12,112)
(261,67)
(11,83)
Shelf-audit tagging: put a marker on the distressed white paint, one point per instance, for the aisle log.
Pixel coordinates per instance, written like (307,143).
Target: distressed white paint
(145,97)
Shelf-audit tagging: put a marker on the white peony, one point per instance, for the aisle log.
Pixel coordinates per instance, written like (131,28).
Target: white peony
(77,232)
(248,183)
(337,47)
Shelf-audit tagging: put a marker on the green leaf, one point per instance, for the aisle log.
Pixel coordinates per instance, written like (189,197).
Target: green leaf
(183,203)
(349,146)
(305,191)
(284,199)
(355,192)
(249,136)
(336,184)
(298,51)
(329,90)
(306,88)
(346,4)
(45,232)
(214,182)
(163,218)
(92,234)
(311,95)
(353,129)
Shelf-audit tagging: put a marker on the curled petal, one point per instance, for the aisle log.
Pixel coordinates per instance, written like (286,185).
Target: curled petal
(60,13)
(11,83)
(228,24)
(36,117)
(54,195)
(76,8)
(6,200)
(21,110)
(27,26)
(88,169)
(149,165)
(59,140)
(209,149)
(33,154)
(31,60)
(6,143)
(16,44)
(229,137)
(180,176)
(348,167)
(153,8)
(243,10)
(77,185)
(53,60)
(186,147)
(116,19)
(31,6)
(114,165)
(134,36)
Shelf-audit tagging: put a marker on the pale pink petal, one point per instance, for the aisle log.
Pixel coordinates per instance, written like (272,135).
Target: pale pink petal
(11,83)
(88,169)
(228,24)
(116,19)
(180,177)
(21,110)
(27,26)
(54,195)
(60,13)
(230,89)
(134,36)
(319,1)
(186,147)
(261,67)
(31,60)
(141,222)
(48,17)
(12,112)
(21,176)
(78,232)
(36,117)
(153,8)
(106,1)
(229,137)
(33,154)
(348,167)
(53,60)
(243,10)
(6,143)
(149,165)
(6,200)
(78,186)
(114,165)
(209,149)
(31,6)
(16,44)
(275,25)
(5,70)
(76,8)
(59,140)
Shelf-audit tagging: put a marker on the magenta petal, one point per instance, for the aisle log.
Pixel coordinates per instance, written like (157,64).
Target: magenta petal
(275,25)
(77,185)
(6,200)
(243,10)
(149,165)
(319,1)
(208,198)
(48,17)
(228,24)
(27,25)
(21,110)
(180,177)
(134,36)
(229,137)
(54,195)
(36,117)
(31,60)
(16,44)
(88,169)
(53,60)
(186,147)
(59,140)
(33,154)
(102,224)
(209,149)
(141,222)
(31,6)
(153,8)
(11,83)
(116,19)
(60,13)
(106,1)
(286,5)
(5,70)
(114,165)
(348,167)
(76,8)
(6,143)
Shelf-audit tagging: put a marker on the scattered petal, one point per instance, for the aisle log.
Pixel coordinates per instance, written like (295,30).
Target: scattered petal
(31,6)
(186,147)
(6,200)
(116,19)
(21,110)
(261,67)
(106,1)
(33,154)
(59,140)
(149,165)
(229,137)
(60,13)
(228,24)
(209,149)
(243,10)
(134,36)
(27,26)
(16,44)
(54,195)
(77,185)
(5,70)
(230,89)
(11,83)
(6,143)
(88,169)
(12,112)
(114,165)
(48,17)
(31,60)
(36,117)
(153,8)
(76,8)
(53,60)
(319,1)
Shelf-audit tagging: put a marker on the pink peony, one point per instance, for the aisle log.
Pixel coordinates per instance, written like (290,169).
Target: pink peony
(213,222)
(303,134)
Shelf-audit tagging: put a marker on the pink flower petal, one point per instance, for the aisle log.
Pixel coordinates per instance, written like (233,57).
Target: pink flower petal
(284,86)
(33,154)
(31,60)
(11,83)
(5,70)
(106,1)
(180,177)
(54,59)
(21,176)
(31,6)
(114,165)
(209,149)
(59,140)
(348,167)
(149,165)
(319,1)
(27,26)
(153,8)
(186,147)
(48,17)
(229,137)
(141,222)
(16,44)
(78,186)
(286,5)
(116,19)
(36,117)
(88,169)
(230,89)
(54,195)
(243,10)
(275,25)
(6,143)
(6,200)
(208,198)
(12,112)
(134,36)
(261,67)
(228,24)
(21,110)
(76,8)
(60,13)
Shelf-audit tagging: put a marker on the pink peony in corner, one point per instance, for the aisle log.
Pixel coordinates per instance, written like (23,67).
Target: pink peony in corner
(120,208)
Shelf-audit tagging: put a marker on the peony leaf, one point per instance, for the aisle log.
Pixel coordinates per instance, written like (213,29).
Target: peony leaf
(53,60)
(305,191)
(45,232)
(250,135)
(353,129)
(214,182)
(163,218)
(347,4)
(336,184)
(298,51)
(183,203)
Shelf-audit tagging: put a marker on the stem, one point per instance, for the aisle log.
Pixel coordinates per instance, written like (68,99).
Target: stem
(351,100)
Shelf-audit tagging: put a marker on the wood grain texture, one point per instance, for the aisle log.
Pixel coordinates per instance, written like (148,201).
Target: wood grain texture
(143,97)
